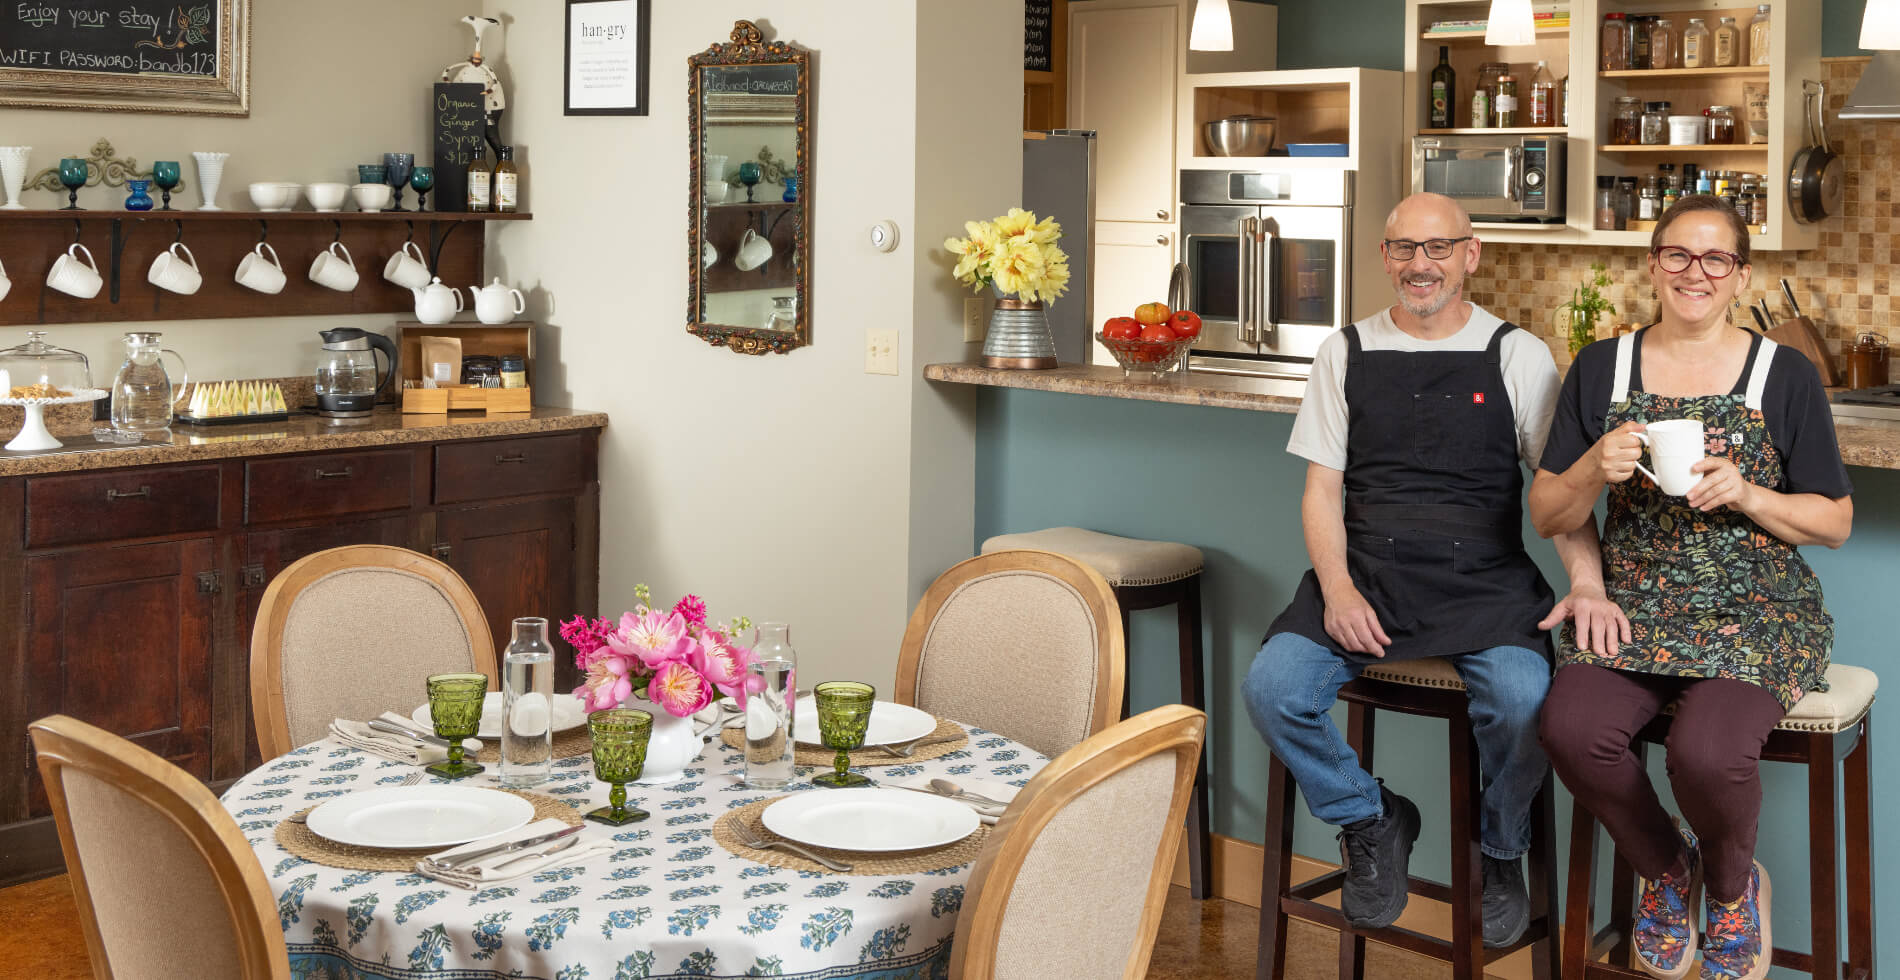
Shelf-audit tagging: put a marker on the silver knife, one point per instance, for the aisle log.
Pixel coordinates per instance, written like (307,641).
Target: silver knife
(460,860)
(392,728)
(546,852)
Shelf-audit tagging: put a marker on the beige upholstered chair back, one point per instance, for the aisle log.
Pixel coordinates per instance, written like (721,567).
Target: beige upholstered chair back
(166,885)
(1097,828)
(353,632)
(1024,643)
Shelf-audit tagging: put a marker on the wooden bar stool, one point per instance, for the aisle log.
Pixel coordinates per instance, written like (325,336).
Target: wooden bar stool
(1147,575)
(1824,730)
(1430,687)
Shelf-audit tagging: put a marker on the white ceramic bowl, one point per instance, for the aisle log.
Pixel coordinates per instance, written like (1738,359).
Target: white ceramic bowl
(370,197)
(327,196)
(274,195)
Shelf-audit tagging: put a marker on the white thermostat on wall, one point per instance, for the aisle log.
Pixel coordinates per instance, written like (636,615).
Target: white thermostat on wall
(884,236)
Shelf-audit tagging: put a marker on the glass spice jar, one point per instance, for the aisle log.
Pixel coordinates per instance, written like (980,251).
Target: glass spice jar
(1487,93)
(1662,43)
(1649,204)
(1696,44)
(1655,124)
(1721,124)
(1728,43)
(1504,107)
(1626,124)
(1614,52)
(1639,42)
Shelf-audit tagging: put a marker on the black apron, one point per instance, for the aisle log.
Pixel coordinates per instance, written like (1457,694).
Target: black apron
(1434,524)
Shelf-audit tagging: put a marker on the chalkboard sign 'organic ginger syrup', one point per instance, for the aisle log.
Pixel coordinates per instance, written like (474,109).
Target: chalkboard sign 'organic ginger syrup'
(507,182)
(478,175)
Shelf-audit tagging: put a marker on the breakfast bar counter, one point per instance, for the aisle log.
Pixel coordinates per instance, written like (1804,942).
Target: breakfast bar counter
(1867,442)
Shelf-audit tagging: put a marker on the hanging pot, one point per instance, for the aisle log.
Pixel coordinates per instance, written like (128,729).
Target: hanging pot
(1815,176)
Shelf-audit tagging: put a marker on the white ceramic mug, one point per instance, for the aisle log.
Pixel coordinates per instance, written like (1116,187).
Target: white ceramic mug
(707,255)
(406,268)
(5,284)
(1674,446)
(334,268)
(174,273)
(266,275)
(754,251)
(73,276)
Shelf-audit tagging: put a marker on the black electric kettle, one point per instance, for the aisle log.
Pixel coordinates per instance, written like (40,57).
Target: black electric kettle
(346,371)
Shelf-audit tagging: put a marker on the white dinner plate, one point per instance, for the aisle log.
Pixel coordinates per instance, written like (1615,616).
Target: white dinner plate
(419,816)
(568,713)
(890,723)
(870,819)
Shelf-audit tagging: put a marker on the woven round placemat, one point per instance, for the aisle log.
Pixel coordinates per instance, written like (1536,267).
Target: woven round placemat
(297,839)
(861,862)
(870,755)
(575,741)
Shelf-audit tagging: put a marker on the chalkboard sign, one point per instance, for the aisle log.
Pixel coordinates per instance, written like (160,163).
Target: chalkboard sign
(457,119)
(1038,33)
(111,37)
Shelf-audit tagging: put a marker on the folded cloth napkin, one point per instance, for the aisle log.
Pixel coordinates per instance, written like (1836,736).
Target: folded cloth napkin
(396,748)
(512,864)
(985,813)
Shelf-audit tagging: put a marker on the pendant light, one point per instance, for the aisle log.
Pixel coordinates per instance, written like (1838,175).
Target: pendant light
(1877,94)
(1510,22)
(1213,27)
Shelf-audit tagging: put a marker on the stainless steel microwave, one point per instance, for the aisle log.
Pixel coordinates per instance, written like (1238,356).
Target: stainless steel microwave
(1498,177)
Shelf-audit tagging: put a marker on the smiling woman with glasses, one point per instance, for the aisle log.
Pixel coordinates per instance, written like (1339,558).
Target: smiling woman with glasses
(1711,607)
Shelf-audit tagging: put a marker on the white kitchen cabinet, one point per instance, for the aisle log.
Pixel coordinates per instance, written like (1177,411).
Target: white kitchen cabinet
(1133,260)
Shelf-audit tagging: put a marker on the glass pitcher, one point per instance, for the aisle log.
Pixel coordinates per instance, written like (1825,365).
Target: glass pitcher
(142,393)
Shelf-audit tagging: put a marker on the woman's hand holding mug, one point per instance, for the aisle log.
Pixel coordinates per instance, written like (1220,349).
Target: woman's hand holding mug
(1721,485)
(1618,451)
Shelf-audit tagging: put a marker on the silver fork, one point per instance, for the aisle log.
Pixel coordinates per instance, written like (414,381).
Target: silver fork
(751,838)
(413,779)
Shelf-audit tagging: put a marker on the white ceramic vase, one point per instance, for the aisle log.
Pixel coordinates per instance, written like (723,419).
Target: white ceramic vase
(670,749)
(210,172)
(13,174)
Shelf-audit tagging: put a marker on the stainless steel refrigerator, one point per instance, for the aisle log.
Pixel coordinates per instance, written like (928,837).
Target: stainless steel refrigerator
(1059,183)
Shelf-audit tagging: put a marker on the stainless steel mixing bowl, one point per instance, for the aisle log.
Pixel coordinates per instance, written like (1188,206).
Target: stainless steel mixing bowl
(1239,136)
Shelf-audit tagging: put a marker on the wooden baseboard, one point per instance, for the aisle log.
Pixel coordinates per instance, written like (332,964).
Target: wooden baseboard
(1236,878)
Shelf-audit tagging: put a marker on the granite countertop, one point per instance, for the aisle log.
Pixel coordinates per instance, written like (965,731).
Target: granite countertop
(301,433)
(1864,442)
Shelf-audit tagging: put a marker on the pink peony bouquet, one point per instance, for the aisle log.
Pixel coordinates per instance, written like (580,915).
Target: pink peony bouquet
(673,658)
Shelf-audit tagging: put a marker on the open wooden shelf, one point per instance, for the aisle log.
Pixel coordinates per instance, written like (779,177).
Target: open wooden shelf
(1500,130)
(1687,72)
(181,214)
(1761,148)
(1455,37)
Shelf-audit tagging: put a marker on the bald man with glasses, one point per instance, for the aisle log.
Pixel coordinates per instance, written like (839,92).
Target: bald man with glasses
(1417,425)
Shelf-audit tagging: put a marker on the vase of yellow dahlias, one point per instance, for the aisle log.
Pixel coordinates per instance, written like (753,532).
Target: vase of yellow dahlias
(1017,257)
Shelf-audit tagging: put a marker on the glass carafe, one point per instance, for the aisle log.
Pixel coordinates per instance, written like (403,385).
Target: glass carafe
(346,372)
(142,393)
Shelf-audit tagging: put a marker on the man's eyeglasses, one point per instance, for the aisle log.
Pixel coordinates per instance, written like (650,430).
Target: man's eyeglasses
(1715,264)
(1402,249)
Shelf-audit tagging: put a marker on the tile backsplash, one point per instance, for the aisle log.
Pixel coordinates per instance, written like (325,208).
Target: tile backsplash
(1842,284)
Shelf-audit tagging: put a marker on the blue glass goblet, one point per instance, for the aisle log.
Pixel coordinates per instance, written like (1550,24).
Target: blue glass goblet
(398,166)
(165,174)
(749,174)
(72,175)
(422,180)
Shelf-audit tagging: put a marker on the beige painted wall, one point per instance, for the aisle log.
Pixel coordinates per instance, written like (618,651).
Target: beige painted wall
(781,487)
(328,91)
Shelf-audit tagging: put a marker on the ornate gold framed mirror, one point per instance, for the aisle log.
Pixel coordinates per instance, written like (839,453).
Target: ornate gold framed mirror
(749,256)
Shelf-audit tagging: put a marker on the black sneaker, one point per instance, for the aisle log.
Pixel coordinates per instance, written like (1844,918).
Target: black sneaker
(1507,903)
(1377,854)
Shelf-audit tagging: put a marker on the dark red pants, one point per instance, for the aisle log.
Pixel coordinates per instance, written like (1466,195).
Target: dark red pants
(1713,756)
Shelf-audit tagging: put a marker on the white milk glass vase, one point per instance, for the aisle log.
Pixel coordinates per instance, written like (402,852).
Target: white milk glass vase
(672,746)
(210,173)
(13,174)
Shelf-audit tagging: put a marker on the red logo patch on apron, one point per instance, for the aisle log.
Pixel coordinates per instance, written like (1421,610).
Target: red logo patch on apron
(1477,398)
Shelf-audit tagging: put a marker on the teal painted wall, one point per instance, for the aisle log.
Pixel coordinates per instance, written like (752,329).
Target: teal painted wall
(1334,34)
(1220,479)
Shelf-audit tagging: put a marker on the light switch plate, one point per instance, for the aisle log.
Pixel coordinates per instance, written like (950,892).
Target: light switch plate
(974,328)
(880,350)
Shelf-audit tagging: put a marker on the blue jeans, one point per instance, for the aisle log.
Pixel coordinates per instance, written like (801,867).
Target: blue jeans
(1294,681)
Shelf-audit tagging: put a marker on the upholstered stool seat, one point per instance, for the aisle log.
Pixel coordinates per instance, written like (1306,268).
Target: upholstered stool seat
(1430,687)
(1147,575)
(1827,731)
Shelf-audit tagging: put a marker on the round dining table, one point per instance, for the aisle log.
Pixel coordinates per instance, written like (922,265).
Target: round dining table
(665,901)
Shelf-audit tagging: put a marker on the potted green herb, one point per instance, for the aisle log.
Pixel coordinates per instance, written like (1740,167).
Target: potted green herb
(1586,304)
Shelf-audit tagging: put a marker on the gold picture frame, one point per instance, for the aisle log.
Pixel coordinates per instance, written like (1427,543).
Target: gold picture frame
(181,39)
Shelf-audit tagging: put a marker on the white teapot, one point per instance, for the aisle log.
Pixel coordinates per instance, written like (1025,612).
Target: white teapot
(491,302)
(436,303)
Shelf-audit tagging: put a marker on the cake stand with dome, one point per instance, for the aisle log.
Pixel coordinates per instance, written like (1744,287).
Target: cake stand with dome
(37,374)
(33,434)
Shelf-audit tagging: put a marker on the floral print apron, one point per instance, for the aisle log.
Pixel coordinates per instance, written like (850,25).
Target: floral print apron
(1708,595)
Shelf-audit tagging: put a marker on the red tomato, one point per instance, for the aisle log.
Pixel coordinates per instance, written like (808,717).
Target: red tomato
(1151,314)
(1185,323)
(1121,328)
(1158,332)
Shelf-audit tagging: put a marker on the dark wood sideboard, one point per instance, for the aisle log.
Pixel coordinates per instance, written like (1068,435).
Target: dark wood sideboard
(127,596)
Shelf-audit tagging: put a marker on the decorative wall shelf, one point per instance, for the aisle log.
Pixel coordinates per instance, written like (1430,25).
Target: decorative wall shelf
(124,243)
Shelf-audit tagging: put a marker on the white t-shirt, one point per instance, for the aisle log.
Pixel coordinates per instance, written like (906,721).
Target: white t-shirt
(1530,378)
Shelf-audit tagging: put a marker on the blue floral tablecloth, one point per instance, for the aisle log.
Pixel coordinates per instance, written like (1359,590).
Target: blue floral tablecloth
(668,902)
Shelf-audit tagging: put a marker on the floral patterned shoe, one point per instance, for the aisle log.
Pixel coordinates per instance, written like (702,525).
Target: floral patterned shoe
(1737,945)
(1665,918)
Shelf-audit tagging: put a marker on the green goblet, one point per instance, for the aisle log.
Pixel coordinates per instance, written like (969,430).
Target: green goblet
(165,175)
(422,178)
(455,705)
(73,175)
(620,752)
(844,712)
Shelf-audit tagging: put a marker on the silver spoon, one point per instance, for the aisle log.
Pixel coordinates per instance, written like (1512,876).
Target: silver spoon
(948,788)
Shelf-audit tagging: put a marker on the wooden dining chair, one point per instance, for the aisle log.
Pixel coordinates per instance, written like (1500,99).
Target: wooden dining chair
(1024,643)
(1099,825)
(342,632)
(165,882)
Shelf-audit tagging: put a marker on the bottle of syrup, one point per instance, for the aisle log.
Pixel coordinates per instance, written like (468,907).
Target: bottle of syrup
(478,183)
(507,182)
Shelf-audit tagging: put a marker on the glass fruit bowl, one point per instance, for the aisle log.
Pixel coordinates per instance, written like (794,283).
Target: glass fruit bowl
(1151,359)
